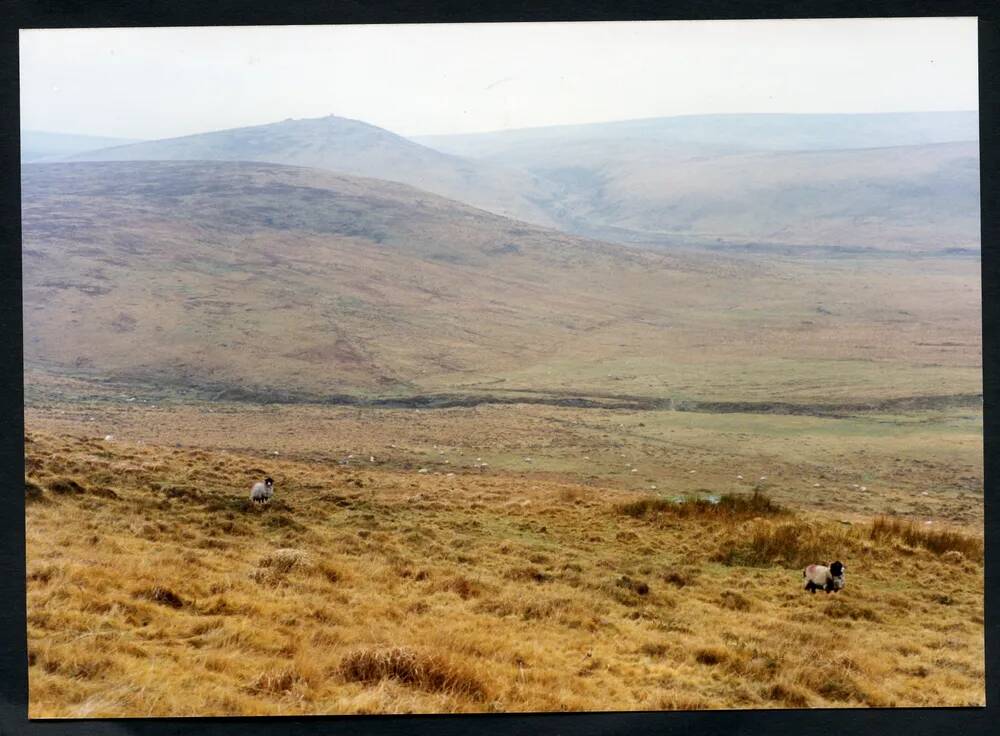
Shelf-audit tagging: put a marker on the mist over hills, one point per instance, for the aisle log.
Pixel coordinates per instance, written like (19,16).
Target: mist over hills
(722,133)
(900,181)
(351,147)
(908,198)
(39,144)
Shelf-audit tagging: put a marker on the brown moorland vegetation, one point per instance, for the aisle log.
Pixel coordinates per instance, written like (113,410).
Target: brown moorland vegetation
(276,282)
(156,588)
(924,465)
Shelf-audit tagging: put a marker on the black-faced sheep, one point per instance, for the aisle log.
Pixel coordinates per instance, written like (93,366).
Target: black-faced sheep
(821,577)
(262,492)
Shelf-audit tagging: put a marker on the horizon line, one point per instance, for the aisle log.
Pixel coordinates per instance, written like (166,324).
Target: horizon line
(511,130)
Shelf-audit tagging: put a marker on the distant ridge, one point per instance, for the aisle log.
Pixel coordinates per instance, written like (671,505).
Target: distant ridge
(895,181)
(891,181)
(41,144)
(351,147)
(735,132)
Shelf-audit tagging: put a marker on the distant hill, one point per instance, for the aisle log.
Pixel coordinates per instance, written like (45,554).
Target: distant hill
(912,198)
(902,181)
(247,274)
(352,147)
(37,144)
(721,133)
(268,281)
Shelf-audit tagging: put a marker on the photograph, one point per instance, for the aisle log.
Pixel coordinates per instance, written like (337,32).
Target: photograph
(510,367)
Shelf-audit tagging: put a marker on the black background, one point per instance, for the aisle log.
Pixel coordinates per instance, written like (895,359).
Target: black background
(97,13)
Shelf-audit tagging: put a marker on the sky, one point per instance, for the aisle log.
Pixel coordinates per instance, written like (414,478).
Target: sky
(456,78)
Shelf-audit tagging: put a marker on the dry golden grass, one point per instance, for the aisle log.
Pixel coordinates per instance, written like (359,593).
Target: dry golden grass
(156,588)
(430,672)
(729,506)
(941,541)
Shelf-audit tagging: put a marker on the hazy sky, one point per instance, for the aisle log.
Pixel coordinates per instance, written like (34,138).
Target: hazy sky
(418,79)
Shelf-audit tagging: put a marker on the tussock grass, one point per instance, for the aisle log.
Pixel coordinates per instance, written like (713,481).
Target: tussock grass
(729,505)
(274,683)
(638,587)
(734,601)
(787,695)
(63,486)
(162,595)
(938,541)
(680,578)
(199,604)
(282,561)
(840,608)
(32,492)
(466,588)
(793,543)
(431,672)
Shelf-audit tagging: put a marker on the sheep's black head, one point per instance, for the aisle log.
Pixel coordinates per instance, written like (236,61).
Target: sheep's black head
(269,482)
(837,576)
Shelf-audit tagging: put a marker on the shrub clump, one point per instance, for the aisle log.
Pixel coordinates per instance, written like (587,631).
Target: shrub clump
(428,672)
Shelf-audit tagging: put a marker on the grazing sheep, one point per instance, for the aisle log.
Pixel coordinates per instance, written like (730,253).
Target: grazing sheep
(262,492)
(820,577)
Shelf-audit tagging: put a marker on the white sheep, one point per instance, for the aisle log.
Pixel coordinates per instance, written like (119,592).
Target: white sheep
(262,492)
(821,577)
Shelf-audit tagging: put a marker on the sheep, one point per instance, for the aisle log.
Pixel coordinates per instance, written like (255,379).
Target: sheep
(820,577)
(262,492)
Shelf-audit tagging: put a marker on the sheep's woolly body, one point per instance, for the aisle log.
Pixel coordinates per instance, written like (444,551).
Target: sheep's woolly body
(821,577)
(262,491)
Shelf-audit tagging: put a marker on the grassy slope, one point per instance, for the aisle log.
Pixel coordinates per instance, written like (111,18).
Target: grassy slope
(250,275)
(154,588)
